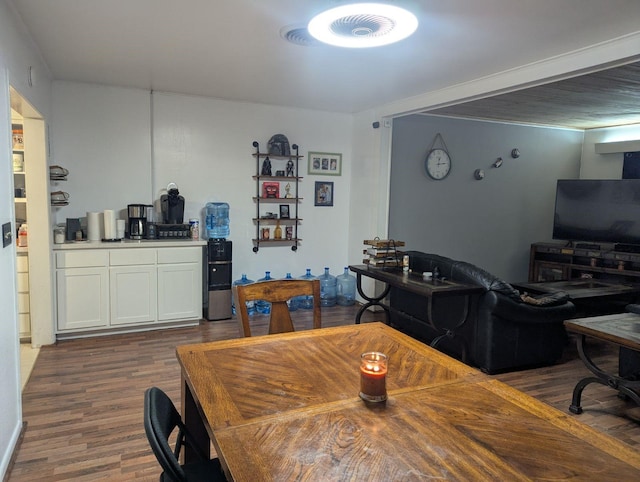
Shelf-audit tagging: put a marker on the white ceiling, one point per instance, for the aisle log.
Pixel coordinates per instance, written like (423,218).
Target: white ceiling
(232,49)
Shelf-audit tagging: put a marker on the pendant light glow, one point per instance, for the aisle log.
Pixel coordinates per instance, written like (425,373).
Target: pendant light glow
(362,25)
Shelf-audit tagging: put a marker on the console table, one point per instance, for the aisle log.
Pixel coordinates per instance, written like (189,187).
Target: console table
(415,283)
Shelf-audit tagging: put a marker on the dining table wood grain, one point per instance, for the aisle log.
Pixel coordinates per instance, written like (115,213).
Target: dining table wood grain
(286,407)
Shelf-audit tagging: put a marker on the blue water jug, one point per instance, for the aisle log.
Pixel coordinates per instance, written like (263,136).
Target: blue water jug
(292,304)
(346,288)
(262,306)
(251,307)
(305,302)
(328,289)
(217,220)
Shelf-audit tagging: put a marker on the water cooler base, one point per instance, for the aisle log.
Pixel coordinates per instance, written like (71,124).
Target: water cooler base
(219,305)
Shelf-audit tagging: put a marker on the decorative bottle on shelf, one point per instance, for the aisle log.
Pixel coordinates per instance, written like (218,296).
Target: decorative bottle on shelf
(251,307)
(217,220)
(306,302)
(22,236)
(346,288)
(277,232)
(292,304)
(262,306)
(328,283)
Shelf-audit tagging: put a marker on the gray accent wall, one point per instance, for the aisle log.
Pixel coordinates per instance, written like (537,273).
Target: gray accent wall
(492,222)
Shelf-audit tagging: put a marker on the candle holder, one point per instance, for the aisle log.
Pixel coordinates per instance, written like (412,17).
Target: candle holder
(373,376)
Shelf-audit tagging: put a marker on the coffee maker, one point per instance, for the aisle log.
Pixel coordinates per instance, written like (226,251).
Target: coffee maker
(137,221)
(172,205)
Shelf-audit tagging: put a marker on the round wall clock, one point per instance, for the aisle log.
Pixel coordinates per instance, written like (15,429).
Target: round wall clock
(438,164)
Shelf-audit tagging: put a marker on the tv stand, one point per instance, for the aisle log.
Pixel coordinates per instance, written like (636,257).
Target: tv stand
(627,248)
(558,262)
(587,246)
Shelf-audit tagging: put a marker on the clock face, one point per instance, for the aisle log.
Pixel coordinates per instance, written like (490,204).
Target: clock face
(438,164)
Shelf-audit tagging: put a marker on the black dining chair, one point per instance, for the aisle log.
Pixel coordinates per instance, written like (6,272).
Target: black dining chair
(160,420)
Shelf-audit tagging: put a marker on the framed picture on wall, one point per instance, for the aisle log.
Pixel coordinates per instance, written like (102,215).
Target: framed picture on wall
(323,193)
(325,163)
(284,211)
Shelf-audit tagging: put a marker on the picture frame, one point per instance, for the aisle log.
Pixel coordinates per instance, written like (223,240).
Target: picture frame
(323,193)
(271,189)
(325,163)
(284,211)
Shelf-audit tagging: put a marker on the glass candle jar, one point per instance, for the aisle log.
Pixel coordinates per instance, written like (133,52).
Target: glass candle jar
(373,376)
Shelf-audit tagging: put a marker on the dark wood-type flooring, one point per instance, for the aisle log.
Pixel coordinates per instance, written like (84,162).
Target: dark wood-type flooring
(83,402)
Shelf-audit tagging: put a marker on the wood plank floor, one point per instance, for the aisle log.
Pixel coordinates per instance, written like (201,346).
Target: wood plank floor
(83,402)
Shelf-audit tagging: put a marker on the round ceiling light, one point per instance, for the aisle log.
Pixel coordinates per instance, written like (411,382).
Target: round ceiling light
(361,25)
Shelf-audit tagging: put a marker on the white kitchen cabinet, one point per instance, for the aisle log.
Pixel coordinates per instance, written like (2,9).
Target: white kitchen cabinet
(83,298)
(133,281)
(179,283)
(137,288)
(24,315)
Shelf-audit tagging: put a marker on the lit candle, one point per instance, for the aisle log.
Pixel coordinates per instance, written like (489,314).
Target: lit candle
(373,376)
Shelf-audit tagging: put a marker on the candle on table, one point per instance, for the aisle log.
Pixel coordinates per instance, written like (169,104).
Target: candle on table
(373,376)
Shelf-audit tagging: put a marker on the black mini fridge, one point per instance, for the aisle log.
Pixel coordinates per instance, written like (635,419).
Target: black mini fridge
(218,305)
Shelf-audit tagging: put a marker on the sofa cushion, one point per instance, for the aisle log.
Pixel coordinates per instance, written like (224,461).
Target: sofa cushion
(553,299)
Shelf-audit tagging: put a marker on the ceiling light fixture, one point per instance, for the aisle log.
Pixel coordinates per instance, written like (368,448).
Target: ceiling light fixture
(361,25)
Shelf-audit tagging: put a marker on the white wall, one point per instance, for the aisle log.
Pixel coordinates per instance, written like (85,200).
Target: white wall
(204,145)
(492,222)
(17,54)
(605,166)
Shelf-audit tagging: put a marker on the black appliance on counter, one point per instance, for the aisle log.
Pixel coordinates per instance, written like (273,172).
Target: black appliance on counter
(218,282)
(172,225)
(137,214)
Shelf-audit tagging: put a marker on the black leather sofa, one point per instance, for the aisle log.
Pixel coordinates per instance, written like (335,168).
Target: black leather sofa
(502,332)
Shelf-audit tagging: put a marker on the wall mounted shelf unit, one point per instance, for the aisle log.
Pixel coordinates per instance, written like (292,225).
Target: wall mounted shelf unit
(285,192)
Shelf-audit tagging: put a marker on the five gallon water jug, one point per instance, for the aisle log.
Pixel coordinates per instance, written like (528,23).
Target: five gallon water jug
(305,302)
(251,308)
(292,304)
(328,288)
(346,288)
(263,306)
(217,220)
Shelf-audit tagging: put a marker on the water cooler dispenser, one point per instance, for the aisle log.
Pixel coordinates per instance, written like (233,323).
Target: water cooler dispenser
(218,306)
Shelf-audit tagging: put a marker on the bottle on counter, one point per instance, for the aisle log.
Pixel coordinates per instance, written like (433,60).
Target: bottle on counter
(22,236)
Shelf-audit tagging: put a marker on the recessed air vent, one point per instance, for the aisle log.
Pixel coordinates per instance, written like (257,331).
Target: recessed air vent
(298,35)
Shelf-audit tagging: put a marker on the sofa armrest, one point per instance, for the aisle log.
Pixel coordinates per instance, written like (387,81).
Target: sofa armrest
(520,312)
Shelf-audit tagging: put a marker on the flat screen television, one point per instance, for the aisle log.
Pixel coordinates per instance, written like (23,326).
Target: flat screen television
(598,211)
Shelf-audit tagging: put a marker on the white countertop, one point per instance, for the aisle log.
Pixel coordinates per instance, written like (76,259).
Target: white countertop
(130,243)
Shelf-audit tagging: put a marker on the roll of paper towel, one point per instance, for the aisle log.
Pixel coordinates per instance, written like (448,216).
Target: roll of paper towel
(94,226)
(109,224)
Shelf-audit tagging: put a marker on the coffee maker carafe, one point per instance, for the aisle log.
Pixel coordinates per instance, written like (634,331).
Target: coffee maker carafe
(172,205)
(137,221)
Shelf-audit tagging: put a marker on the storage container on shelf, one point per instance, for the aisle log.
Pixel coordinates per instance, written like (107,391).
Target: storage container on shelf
(22,235)
(346,287)
(251,307)
(328,283)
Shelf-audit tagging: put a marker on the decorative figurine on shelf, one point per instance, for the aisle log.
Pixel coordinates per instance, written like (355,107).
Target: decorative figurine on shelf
(288,232)
(290,168)
(266,167)
(287,190)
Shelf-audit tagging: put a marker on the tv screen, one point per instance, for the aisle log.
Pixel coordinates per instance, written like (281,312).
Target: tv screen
(599,211)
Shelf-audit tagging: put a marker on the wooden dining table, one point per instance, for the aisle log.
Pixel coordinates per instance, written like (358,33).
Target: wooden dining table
(286,407)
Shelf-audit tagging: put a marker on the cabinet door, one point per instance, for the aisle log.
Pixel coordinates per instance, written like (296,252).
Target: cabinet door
(133,294)
(82,298)
(179,291)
